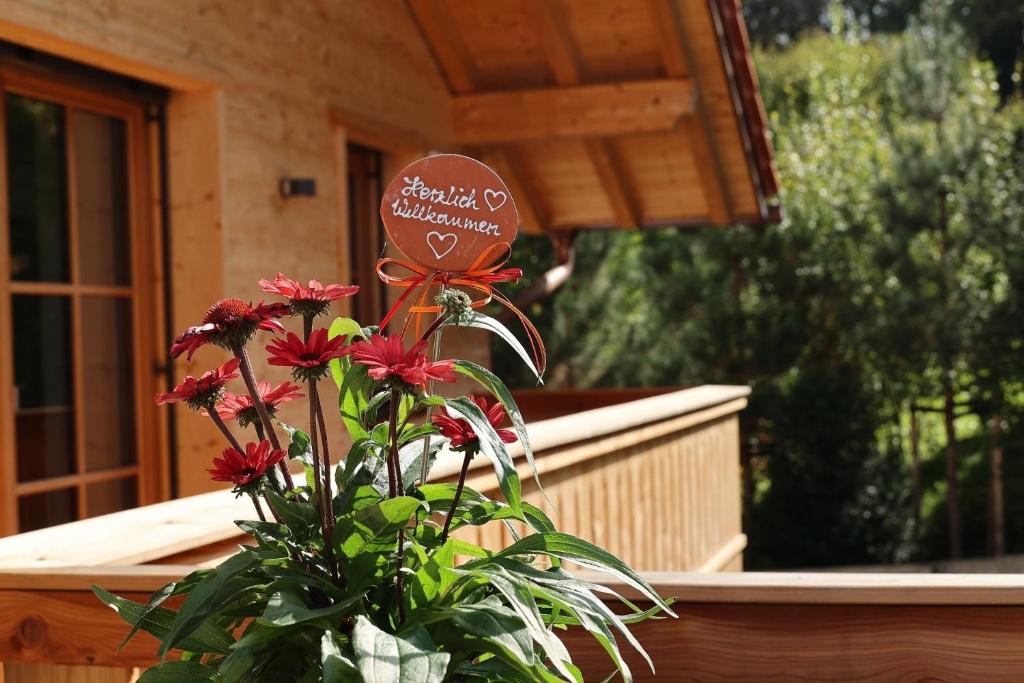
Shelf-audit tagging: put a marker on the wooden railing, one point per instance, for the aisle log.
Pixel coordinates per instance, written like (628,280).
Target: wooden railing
(673,458)
(653,480)
(736,627)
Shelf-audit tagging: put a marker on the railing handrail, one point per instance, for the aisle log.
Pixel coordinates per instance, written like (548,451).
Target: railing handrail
(749,588)
(152,532)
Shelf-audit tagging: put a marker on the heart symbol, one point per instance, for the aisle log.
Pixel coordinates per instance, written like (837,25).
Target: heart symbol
(495,198)
(444,243)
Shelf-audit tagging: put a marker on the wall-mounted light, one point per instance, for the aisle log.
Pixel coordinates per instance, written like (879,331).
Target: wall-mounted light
(298,187)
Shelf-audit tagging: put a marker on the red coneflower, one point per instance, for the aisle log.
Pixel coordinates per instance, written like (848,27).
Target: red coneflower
(308,301)
(462,436)
(203,391)
(240,407)
(229,324)
(245,470)
(308,360)
(386,357)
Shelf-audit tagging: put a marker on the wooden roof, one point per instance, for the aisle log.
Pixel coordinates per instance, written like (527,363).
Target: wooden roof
(608,113)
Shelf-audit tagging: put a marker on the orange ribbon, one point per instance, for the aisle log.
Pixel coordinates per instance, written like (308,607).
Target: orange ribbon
(477,278)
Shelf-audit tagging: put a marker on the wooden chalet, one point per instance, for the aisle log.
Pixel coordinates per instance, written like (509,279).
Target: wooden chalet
(145,145)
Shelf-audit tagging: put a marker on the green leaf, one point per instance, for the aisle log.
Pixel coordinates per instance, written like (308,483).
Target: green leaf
(497,388)
(485,322)
(299,448)
(353,400)
(157,622)
(385,658)
(497,625)
(373,527)
(337,667)
(348,328)
(568,547)
(491,446)
(287,608)
(208,596)
(158,597)
(179,672)
(297,515)
(519,597)
(429,581)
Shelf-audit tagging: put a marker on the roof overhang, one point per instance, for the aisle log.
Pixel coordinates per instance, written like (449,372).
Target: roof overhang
(608,113)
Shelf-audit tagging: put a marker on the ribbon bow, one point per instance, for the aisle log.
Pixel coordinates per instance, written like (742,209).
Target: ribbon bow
(478,278)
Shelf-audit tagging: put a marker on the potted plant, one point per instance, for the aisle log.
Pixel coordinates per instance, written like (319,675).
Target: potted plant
(356,572)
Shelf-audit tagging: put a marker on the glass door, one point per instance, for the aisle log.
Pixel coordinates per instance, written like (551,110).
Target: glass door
(76,311)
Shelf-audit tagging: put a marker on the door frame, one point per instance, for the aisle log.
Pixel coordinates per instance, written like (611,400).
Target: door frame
(147,282)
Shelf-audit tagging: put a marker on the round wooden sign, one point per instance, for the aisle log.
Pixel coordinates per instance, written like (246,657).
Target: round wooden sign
(444,211)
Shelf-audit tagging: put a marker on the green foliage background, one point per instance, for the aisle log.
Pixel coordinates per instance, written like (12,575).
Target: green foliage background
(898,266)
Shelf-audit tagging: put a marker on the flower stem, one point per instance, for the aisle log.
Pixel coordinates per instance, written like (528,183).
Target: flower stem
(434,327)
(438,321)
(273,511)
(394,464)
(259,508)
(245,365)
(317,480)
(323,495)
(328,493)
(396,489)
(217,420)
(458,494)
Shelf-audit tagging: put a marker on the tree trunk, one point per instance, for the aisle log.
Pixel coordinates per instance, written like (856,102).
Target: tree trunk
(996,527)
(952,483)
(915,465)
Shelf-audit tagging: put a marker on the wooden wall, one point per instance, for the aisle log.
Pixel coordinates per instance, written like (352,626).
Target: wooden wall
(253,84)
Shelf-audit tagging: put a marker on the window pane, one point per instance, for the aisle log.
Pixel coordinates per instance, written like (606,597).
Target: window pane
(100,198)
(46,509)
(37,190)
(110,496)
(42,374)
(107,379)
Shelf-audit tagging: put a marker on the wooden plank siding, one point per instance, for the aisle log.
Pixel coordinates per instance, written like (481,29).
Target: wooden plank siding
(252,86)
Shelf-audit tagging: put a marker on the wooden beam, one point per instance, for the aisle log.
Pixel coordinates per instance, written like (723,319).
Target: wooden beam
(603,110)
(556,40)
(613,181)
(372,132)
(534,216)
(564,64)
(675,56)
(445,43)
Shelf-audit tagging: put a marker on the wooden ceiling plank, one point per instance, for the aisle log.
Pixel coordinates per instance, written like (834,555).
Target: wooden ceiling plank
(564,64)
(556,40)
(673,54)
(600,110)
(613,181)
(677,61)
(534,217)
(709,168)
(445,43)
